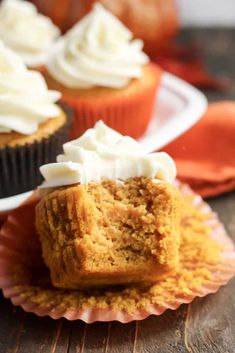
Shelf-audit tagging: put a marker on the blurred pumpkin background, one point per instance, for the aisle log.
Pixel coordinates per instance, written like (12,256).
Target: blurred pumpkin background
(157,22)
(154,21)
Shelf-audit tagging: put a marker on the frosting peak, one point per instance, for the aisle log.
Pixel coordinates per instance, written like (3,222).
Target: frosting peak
(97,51)
(27,32)
(102,153)
(25,101)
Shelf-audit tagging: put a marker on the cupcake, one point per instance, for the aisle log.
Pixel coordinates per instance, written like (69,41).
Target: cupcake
(108,214)
(32,127)
(27,32)
(104,74)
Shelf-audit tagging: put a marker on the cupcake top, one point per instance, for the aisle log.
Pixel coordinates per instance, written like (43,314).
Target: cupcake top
(25,101)
(98,51)
(102,153)
(27,32)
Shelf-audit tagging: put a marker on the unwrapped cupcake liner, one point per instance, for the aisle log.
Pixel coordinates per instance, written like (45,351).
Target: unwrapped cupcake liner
(22,272)
(19,165)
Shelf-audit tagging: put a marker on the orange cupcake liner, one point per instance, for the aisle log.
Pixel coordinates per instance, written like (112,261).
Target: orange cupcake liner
(130,114)
(22,271)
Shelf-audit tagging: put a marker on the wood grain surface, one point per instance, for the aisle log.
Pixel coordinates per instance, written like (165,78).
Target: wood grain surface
(205,326)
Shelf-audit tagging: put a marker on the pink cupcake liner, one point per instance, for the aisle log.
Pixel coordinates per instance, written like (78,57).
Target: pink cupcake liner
(20,249)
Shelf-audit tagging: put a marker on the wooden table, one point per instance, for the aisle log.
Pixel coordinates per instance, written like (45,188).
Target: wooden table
(206,326)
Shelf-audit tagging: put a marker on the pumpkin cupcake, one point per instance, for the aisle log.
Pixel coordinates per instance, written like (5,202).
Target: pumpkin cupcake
(32,127)
(27,32)
(109,213)
(104,74)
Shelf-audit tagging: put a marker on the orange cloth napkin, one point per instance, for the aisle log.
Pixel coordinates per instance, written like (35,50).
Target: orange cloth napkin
(205,155)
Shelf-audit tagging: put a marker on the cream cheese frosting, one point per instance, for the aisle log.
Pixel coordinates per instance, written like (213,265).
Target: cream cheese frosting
(98,51)
(25,101)
(27,32)
(102,153)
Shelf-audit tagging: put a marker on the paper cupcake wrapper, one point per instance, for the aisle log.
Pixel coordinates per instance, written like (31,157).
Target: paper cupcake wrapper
(129,117)
(128,114)
(21,265)
(19,165)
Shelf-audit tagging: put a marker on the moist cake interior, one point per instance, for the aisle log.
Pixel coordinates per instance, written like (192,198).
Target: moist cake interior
(110,232)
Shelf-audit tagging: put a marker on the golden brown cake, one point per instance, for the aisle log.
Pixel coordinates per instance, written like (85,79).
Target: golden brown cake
(51,126)
(150,78)
(110,232)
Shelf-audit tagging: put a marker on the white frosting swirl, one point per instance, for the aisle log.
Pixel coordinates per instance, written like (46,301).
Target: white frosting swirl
(27,32)
(102,153)
(98,51)
(25,101)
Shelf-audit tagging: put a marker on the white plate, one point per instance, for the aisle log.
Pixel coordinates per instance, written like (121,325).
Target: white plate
(178,107)
(10,203)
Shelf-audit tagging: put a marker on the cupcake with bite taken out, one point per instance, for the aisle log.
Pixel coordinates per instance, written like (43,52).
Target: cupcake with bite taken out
(104,74)
(26,32)
(108,214)
(32,126)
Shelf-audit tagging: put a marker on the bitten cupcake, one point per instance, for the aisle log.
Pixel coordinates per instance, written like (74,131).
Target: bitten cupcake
(104,74)
(32,127)
(27,32)
(110,214)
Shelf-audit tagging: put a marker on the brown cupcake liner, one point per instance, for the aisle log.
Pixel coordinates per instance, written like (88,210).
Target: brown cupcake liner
(24,277)
(19,165)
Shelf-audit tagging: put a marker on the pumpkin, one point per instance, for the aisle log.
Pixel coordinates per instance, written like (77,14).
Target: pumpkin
(154,21)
